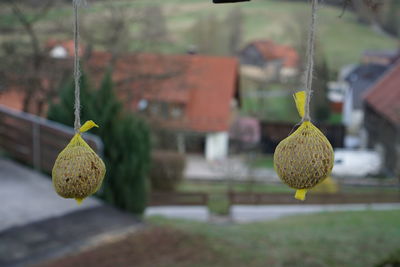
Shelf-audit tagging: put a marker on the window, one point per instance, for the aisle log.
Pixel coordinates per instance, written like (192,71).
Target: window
(176,111)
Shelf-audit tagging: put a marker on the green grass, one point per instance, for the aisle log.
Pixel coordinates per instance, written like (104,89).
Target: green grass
(325,239)
(279,108)
(266,161)
(335,118)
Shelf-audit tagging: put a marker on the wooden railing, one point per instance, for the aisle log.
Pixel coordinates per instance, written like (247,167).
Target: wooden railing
(312,198)
(36,141)
(180,199)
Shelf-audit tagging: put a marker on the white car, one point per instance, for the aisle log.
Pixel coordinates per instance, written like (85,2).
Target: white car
(356,163)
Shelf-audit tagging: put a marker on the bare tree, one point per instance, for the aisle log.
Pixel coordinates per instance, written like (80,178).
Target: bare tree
(153,26)
(234,21)
(216,36)
(24,58)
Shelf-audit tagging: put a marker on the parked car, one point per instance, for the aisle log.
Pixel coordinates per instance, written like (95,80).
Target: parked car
(356,163)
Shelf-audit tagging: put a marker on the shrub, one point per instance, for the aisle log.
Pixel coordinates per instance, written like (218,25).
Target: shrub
(167,170)
(393,260)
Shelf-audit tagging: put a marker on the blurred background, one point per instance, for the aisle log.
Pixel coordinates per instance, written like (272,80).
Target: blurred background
(192,99)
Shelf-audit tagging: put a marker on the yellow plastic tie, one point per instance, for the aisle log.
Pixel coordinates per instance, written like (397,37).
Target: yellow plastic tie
(300,99)
(87,126)
(79,201)
(300,194)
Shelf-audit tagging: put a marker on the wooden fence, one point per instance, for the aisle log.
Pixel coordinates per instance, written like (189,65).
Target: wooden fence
(36,141)
(246,198)
(312,198)
(274,132)
(181,199)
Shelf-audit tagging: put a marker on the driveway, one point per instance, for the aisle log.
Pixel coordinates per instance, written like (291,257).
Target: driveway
(235,168)
(28,196)
(37,225)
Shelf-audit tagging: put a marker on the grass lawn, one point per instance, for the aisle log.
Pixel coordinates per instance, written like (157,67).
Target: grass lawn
(278,108)
(326,239)
(264,161)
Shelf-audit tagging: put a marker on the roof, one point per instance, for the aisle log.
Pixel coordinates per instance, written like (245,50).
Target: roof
(383,57)
(361,78)
(273,51)
(205,85)
(384,96)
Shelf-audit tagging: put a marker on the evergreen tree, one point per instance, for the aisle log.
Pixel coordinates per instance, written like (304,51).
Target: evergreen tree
(129,156)
(63,111)
(320,104)
(105,106)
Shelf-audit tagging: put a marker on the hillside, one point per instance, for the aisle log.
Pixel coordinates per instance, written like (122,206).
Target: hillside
(341,39)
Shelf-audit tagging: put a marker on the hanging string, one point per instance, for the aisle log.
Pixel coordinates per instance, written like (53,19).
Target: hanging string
(310,59)
(77,72)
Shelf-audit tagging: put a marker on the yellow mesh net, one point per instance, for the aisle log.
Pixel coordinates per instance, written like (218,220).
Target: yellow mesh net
(305,158)
(78,172)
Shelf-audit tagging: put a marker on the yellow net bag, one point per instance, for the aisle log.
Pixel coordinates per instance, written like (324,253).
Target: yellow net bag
(78,171)
(305,158)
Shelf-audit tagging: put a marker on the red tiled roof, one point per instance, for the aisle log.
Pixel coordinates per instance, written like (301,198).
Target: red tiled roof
(384,96)
(204,84)
(273,51)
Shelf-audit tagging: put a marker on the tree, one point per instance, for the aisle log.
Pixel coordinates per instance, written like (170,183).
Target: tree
(234,21)
(209,35)
(390,17)
(128,156)
(214,36)
(125,137)
(24,62)
(62,111)
(154,30)
(320,110)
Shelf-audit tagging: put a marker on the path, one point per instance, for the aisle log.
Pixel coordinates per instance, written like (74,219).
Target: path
(235,168)
(28,196)
(255,213)
(37,225)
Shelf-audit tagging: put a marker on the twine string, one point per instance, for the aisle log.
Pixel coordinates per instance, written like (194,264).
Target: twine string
(310,59)
(77,72)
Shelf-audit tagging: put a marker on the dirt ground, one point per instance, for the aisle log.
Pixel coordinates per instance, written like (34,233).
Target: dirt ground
(153,246)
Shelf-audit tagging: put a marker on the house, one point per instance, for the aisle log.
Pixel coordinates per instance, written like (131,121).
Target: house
(382,119)
(347,94)
(265,60)
(380,57)
(190,98)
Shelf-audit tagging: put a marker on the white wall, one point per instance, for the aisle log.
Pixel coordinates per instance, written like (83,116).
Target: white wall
(216,145)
